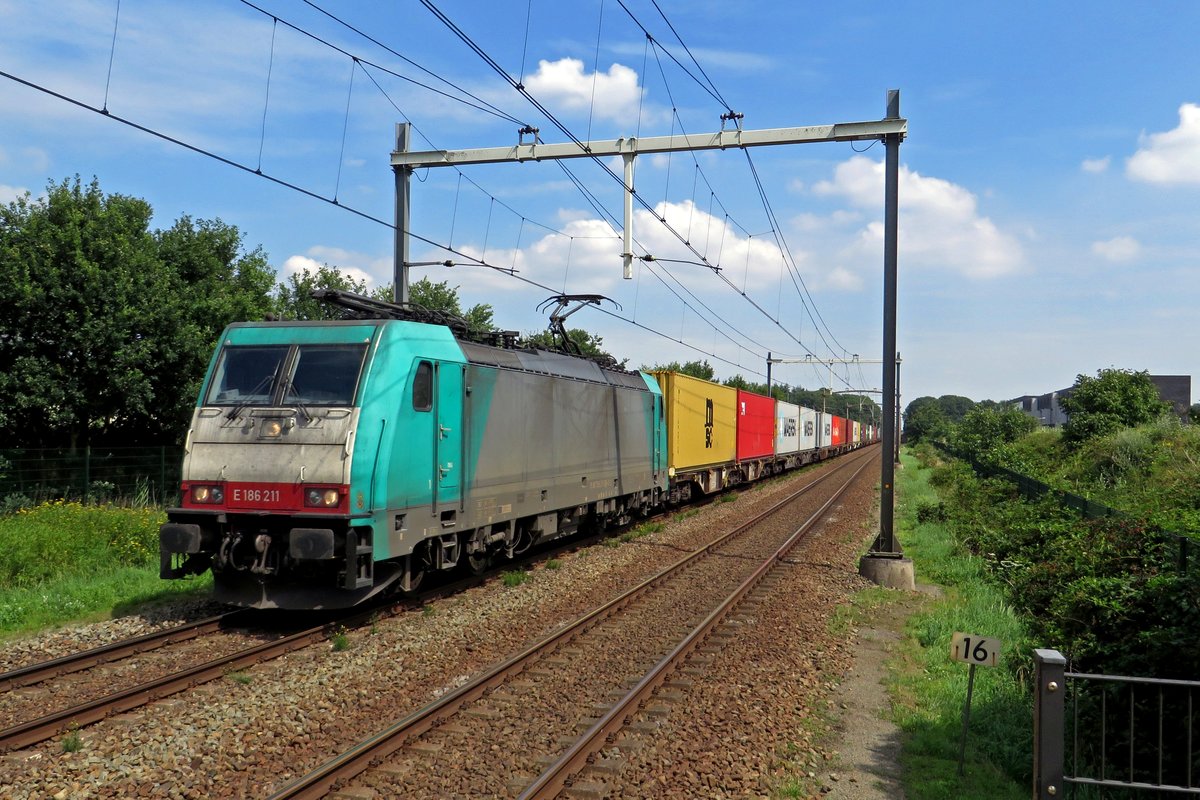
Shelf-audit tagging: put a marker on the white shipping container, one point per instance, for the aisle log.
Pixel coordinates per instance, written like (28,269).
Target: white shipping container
(808,429)
(787,428)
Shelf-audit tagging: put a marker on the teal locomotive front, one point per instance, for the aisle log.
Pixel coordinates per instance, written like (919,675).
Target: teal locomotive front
(281,475)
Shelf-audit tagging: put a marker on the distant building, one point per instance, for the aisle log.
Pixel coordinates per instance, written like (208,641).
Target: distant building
(1045,408)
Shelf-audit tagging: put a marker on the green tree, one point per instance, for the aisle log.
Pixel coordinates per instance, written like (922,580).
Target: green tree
(441,297)
(1114,399)
(105,326)
(294,300)
(983,432)
(589,344)
(954,407)
(926,422)
(697,369)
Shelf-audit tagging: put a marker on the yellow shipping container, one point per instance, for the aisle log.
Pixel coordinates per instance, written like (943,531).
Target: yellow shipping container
(701,421)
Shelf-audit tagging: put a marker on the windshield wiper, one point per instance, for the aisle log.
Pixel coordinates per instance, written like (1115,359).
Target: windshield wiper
(289,385)
(237,410)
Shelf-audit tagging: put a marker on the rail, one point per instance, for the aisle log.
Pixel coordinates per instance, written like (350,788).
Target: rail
(345,766)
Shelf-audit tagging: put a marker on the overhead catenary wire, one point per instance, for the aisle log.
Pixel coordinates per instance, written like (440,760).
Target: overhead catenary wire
(467,259)
(112,53)
(367,67)
(499,70)
(708,85)
(477,103)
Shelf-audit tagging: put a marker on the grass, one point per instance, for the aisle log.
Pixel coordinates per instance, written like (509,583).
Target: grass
(340,641)
(72,742)
(64,561)
(645,529)
(515,577)
(928,689)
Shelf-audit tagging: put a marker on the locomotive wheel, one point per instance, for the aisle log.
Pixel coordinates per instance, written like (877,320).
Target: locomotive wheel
(415,567)
(478,563)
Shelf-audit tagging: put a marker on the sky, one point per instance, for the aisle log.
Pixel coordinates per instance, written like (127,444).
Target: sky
(1049,182)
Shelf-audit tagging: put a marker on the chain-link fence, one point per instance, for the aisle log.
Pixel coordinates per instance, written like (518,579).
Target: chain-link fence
(145,475)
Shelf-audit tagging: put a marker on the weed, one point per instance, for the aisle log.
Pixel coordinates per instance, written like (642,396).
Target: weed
(515,577)
(341,642)
(611,542)
(428,611)
(72,742)
(553,563)
(729,497)
(244,678)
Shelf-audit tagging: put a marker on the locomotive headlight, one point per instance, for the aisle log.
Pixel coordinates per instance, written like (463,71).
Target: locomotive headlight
(209,495)
(322,498)
(271,428)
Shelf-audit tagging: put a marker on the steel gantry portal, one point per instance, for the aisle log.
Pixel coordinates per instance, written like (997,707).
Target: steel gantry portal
(891,130)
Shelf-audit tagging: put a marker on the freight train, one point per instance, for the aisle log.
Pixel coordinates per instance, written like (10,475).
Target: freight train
(328,462)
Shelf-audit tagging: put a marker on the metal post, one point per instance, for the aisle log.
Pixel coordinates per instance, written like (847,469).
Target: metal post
(403,173)
(768,374)
(1049,710)
(962,747)
(897,453)
(627,255)
(886,541)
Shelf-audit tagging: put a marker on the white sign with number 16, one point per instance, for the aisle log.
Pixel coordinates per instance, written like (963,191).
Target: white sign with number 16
(975,649)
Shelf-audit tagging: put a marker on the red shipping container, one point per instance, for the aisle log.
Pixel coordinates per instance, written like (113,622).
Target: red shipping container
(838,435)
(755,426)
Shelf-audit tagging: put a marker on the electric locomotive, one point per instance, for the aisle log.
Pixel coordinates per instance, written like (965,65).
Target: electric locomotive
(330,461)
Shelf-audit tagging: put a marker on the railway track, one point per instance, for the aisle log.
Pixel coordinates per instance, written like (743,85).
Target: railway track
(101,705)
(540,691)
(46,726)
(115,651)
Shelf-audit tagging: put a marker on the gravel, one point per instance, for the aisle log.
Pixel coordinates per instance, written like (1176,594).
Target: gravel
(248,736)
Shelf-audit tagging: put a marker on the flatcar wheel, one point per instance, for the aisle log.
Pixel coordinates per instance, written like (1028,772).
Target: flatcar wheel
(478,563)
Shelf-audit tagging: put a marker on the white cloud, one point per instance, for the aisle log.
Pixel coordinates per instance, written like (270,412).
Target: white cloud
(1120,248)
(564,84)
(586,255)
(940,224)
(1096,164)
(730,60)
(1170,157)
(10,193)
(357,266)
(842,279)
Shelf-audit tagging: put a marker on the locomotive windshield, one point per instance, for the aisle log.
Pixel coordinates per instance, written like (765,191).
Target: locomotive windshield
(306,375)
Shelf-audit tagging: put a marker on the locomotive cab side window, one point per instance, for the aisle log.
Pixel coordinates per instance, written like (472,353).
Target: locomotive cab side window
(422,394)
